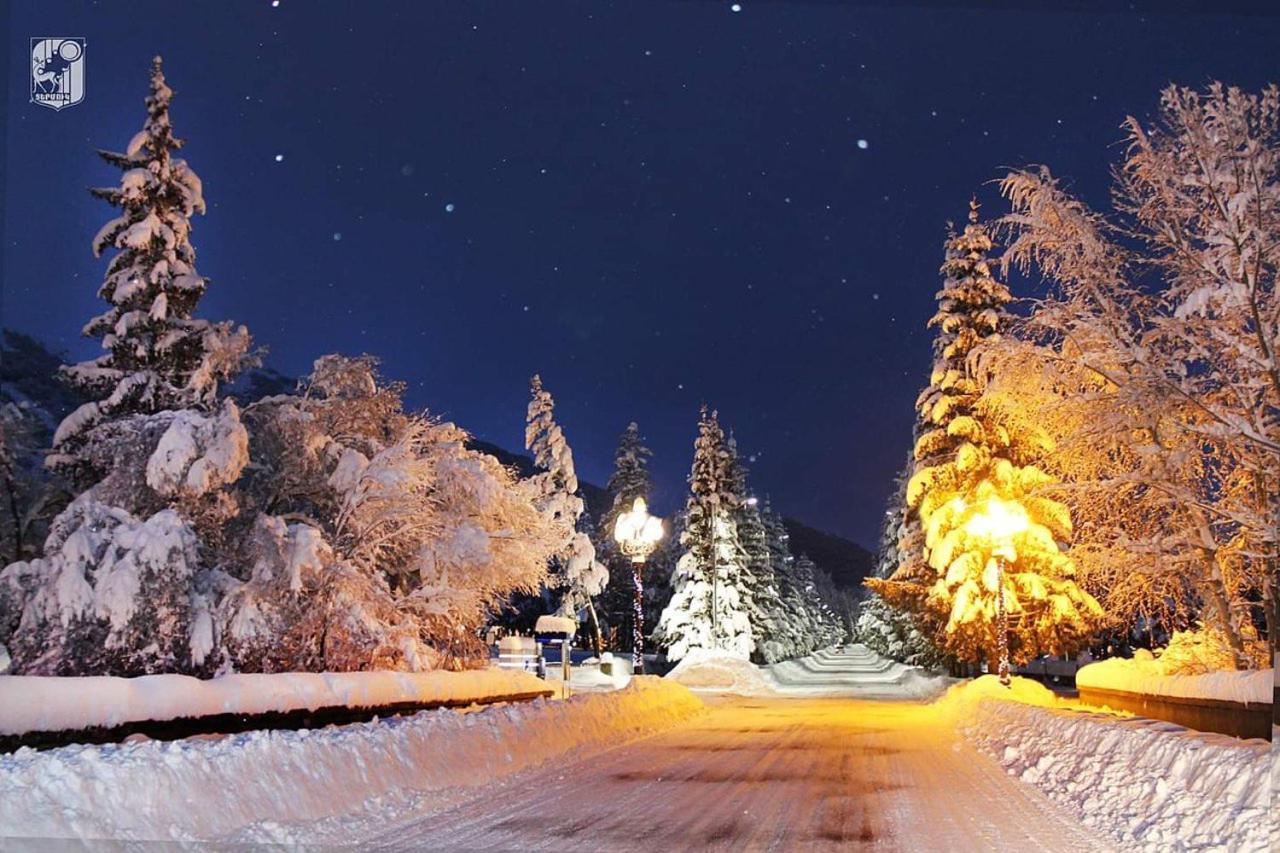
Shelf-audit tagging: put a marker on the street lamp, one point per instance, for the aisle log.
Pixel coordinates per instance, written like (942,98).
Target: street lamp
(998,522)
(637,534)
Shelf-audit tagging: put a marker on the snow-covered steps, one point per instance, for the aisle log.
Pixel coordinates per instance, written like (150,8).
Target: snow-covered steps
(852,670)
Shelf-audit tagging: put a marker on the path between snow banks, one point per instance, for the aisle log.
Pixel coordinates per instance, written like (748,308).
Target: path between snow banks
(852,671)
(763,773)
(259,784)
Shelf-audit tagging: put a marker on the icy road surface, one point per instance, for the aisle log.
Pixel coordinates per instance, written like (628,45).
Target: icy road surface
(764,774)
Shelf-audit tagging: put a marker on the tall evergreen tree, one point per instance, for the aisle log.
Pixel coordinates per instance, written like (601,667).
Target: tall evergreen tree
(707,610)
(158,355)
(580,575)
(791,626)
(967,461)
(763,604)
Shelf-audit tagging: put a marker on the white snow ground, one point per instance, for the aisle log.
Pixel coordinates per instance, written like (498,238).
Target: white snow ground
(282,785)
(856,671)
(644,766)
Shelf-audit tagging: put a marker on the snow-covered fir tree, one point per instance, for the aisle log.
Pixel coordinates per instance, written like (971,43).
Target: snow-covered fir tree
(760,588)
(158,355)
(380,539)
(707,611)
(121,586)
(578,573)
(967,464)
(791,637)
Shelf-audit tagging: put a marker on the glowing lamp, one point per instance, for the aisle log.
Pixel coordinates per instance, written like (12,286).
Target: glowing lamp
(998,522)
(637,534)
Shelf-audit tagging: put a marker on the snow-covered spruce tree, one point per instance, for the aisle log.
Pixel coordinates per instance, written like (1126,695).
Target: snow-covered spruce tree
(577,572)
(791,625)
(158,355)
(761,598)
(380,541)
(121,588)
(707,612)
(766,602)
(630,480)
(967,461)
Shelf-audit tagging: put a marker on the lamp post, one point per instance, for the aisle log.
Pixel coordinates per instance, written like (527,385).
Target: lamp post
(637,534)
(998,522)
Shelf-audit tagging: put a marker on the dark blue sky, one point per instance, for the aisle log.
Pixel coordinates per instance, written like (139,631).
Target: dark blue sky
(654,204)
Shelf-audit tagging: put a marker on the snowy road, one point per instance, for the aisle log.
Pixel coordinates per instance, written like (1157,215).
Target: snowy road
(764,774)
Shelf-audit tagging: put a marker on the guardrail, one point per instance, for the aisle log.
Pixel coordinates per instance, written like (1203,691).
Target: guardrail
(228,724)
(1237,719)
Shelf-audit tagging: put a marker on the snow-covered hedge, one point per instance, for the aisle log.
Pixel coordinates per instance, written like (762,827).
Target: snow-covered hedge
(282,785)
(1150,785)
(1148,676)
(49,704)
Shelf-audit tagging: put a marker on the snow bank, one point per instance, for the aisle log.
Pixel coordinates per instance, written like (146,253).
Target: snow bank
(30,703)
(1148,676)
(720,673)
(275,785)
(1149,784)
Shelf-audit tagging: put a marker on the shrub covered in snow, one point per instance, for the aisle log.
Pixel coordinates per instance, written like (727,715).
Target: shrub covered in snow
(381,540)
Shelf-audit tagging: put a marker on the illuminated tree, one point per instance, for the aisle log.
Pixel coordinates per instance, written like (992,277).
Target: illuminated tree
(1164,320)
(967,458)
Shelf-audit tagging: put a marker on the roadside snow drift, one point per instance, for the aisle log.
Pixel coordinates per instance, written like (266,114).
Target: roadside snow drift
(1149,784)
(720,673)
(1148,676)
(210,788)
(32,703)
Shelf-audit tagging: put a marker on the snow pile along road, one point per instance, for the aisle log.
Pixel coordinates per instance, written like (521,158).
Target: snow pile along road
(203,789)
(1148,675)
(31,703)
(719,673)
(1149,784)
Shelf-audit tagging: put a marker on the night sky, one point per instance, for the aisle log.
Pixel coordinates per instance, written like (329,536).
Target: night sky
(651,204)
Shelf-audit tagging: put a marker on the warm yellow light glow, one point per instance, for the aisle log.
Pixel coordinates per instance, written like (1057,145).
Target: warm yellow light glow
(637,531)
(997,521)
